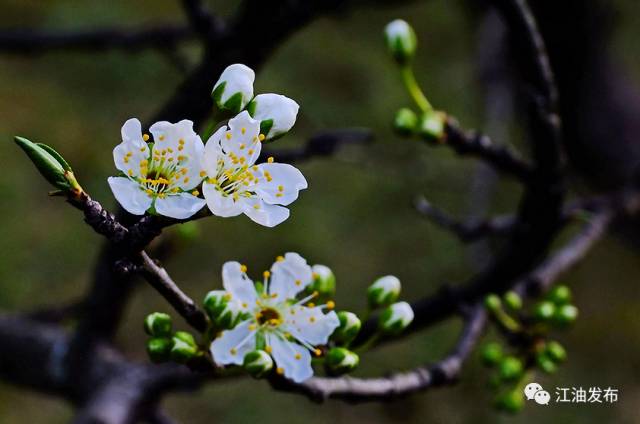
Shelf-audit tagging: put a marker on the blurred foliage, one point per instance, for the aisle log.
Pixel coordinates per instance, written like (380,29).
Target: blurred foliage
(356,217)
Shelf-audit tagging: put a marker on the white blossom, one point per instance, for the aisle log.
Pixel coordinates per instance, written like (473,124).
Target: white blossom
(234,184)
(290,329)
(163,176)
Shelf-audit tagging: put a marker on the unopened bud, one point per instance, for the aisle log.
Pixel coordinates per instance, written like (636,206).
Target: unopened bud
(276,113)
(556,351)
(432,125)
(324,281)
(491,354)
(401,41)
(258,363)
(544,311)
(159,349)
(560,295)
(510,368)
(184,347)
(234,89)
(513,300)
(49,163)
(348,329)
(565,315)
(396,318)
(340,360)
(384,291)
(158,324)
(405,121)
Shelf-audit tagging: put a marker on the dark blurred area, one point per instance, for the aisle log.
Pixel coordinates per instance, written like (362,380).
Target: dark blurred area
(357,215)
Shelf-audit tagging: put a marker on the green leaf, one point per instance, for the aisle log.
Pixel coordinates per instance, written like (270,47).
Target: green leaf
(57,156)
(50,168)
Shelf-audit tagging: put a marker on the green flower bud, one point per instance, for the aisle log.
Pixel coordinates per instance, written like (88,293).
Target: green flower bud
(513,300)
(258,363)
(491,354)
(49,163)
(512,401)
(544,311)
(432,126)
(220,309)
(510,368)
(565,315)
(340,360)
(492,302)
(384,291)
(158,324)
(159,349)
(395,318)
(545,363)
(349,327)
(324,282)
(234,88)
(560,295)
(401,41)
(184,347)
(555,351)
(405,121)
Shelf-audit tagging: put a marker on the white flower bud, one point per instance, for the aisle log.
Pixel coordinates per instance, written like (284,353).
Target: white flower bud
(384,291)
(324,281)
(396,318)
(401,40)
(234,89)
(258,363)
(349,327)
(276,114)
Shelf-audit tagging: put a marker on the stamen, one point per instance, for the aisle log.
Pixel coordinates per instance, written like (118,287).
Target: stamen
(145,137)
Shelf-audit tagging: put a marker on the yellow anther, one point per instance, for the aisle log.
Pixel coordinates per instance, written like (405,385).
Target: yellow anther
(130,172)
(143,149)
(331,304)
(227,296)
(149,191)
(228,135)
(298,356)
(252,327)
(270,159)
(170,160)
(244,305)
(203,173)
(243,268)
(195,192)
(266,274)
(180,148)
(256,207)
(317,352)
(280,371)
(280,258)
(268,349)
(298,282)
(145,137)
(250,151)
(183,171)
(243,130)
(186,180)
(280,188)
(261,137)
(233,351)
(311,305)
(312,320)
(161,138)
(242,146)
(278,194)
(181,141)
(126,159)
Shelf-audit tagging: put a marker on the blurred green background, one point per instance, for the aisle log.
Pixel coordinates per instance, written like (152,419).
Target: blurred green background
(356,216)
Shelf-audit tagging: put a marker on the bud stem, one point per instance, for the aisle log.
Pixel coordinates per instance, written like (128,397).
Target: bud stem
(409,79)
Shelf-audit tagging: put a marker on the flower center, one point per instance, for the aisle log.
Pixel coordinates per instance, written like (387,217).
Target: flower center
(269,316)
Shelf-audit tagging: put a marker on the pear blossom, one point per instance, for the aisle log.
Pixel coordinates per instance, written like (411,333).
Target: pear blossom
(162,175)
(234,184)
(289,330)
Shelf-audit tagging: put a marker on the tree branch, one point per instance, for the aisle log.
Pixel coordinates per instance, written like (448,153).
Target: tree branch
(30,42)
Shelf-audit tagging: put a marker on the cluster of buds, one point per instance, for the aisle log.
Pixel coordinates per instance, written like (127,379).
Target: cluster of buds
(428,123)
(383,294)
(530,346)
(164,344)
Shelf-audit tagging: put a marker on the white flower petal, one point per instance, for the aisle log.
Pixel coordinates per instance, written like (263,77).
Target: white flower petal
(289,276)
(293,359)
(129,194)
(263,213)
(213,153)
(278,108)
(232,345)
(133,149)
(283,185)
(311,325)
(236,282)
(179,206)
(242,140)
(218,204)
(239,78)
